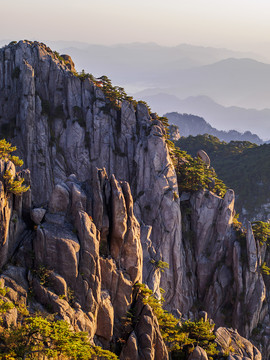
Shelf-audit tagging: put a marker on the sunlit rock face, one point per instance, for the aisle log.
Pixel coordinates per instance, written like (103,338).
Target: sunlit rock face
(105,210)
(63,125)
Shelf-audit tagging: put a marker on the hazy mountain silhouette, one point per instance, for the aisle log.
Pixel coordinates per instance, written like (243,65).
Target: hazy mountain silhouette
(221,117)
(194,73)
(228,77)
(195,125)
(237,82)
(141,65)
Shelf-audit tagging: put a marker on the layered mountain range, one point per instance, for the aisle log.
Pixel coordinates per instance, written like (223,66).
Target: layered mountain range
(195,125)
(103,212)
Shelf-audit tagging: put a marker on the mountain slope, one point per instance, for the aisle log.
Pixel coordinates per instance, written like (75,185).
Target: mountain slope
(104,213)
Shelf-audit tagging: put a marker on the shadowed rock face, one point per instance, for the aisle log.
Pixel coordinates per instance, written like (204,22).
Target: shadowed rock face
(104,197)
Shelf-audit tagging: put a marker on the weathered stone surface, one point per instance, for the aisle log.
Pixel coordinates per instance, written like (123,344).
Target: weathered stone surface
(70,137)
(37,215)
(58,284)
(78,199)
(89,266)
(211,223)
(119,219)
(9,318)
(105,318)
(174,132)
(130,350)
(74,316)
(131,252)
(239,347)
(68,61)
(130,145)
(5,214)
(118,286)
(57,248)
(151,274)
(59,200)
(146,339)
(17,279)
(251,249)
(198,354)
(204,157)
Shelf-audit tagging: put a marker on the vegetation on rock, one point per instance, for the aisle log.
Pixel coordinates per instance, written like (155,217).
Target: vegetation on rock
(242,165)
(193,174)
(265,269)
(15,187)
(180,337)
(13,184)
(261,231)
(159,264)
(38,336)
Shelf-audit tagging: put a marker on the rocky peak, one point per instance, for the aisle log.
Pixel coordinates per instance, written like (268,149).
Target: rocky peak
(105,203)
(63,124)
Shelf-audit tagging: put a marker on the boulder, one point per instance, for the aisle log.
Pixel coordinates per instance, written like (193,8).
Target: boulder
(68,61)
(37,215)
(198,354)
(238,347)
(204,157)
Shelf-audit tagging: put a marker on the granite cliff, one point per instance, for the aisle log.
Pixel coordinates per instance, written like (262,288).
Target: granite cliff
(104,210)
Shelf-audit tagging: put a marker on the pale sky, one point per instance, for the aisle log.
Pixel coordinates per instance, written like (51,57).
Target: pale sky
(235,24)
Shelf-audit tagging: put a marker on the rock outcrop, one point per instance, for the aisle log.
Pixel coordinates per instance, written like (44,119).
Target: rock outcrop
(238,347)
(145,341)
(103,212)
(64,125)
(198,354)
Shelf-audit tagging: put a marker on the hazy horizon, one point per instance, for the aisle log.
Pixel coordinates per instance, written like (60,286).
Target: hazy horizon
(241,26)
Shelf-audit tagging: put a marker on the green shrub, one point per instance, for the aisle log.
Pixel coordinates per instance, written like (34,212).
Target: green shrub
(16,160)
(6,149)
(5,305)
(265,269)
(14,186)
(38,337)
(58,56)
(193,174)
(159,264)
(178,337)
(43,274)
(261,231)
(241,165)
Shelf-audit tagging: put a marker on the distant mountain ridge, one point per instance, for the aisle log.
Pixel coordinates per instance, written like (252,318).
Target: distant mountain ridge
(195,125)
(190,76)
(230,82)
(143,65)
(221,117)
